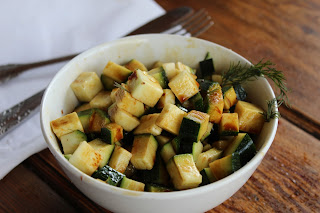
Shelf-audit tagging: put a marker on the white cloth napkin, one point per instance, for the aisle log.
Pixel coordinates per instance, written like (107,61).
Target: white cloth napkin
(35,30)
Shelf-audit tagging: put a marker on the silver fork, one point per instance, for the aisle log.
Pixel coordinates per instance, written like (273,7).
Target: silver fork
(191,25)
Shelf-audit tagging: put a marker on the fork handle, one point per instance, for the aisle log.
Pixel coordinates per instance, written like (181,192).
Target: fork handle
(9,71)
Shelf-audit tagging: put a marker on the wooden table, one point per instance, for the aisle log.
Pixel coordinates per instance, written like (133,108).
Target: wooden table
(286,32)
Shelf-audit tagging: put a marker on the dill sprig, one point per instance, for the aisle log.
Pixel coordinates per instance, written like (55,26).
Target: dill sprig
(239,74)
(271,113)
(116,84)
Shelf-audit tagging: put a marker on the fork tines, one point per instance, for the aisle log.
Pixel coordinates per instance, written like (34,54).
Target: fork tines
(193,25)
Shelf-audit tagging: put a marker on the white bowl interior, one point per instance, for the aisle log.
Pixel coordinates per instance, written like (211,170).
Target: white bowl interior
(59,99)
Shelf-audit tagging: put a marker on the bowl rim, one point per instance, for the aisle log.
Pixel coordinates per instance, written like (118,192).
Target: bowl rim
(255,161)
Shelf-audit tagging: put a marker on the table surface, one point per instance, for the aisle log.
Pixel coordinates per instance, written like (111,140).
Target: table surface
(287,33)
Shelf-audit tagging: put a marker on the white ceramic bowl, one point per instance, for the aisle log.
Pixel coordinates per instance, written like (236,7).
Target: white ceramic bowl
(59,100)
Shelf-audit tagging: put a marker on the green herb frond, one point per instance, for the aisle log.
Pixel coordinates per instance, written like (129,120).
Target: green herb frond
(271,113)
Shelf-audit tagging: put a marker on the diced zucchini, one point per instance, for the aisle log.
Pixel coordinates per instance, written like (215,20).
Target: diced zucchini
(123,118)
(102,100)
(170,118)
(108,83)
(120,159)
(194,103)
(217,78)
(222,144)
(116,72)
(251,119)
(157,175)
(207,176)
(156,188)
(144,151)
(86,86)
(243,145)
(182,67)
(207,68)
(193,126)
(108,174)
(170,69)
(126,102)
(105,150)
(163,139)
(66,124)
(207,157)
(197,148)
(184,86)
(130,184)
(167,152)
(84,117)
(225,166)
(183,172)
(206,147)
(176,144)
(82,107)
(98,119)
(204,86)
(85,158)
(208,131)
(68,156)
(157,64)
(148,125)
(166,98)
(229,97)
(229,124)
(240,91)
(71,141)
(214,103)
(160,75)
(144,88)
(112,133)
(134,65)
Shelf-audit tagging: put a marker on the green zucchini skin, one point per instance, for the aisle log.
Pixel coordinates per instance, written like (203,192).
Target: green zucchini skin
(189,130)
(240,92)
(108,174)
(107,82)
(157,188)
(106,136)
(244,146)
(194,103)
(204,85)
(207,68)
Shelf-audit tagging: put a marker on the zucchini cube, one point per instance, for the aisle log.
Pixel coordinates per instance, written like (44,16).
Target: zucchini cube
(183,172)
(111,133)
(170,118)
(108,83)
(66,124)
(144,88)
(86,86)
(120,159)
(170,69)
(144,151)
(207,157)
(163,139)
(182,67)
(217,78)
(84,117)
(166,98)
(148,125)
(108,175)
(71,141)
(184,86)
(130,184)
(105,150)
(98,120)
(85,158)
(102,100)
(229,124)
(134,65)
(123,118)
(194,125)
(229,98)
(214,102)
(251,119)
(160,75)
(82,107)
(126,102)
(116,72)
(167,152)
(225,166)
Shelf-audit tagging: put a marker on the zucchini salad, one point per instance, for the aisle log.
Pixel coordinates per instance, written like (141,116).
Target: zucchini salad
(167,128)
